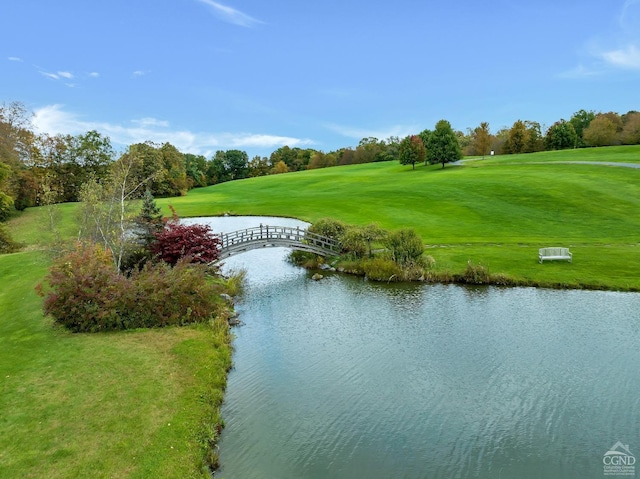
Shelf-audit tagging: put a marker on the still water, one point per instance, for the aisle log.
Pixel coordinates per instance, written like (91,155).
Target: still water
(344,378)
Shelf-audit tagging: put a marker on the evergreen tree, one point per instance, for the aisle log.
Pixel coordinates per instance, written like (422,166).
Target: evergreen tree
(149,221)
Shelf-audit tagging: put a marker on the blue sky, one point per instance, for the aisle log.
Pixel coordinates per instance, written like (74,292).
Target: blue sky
(256,75)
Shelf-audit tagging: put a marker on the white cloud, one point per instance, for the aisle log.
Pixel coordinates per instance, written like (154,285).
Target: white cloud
(580,72)
(145,122)
(630,14)
(627,57)
(53,76)
(138,73)
(381,134)
(94,74)
(53,119)
(67,75)
(230,15)
(15,59)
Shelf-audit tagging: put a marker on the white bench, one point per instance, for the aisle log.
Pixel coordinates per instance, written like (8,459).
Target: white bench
(554,253)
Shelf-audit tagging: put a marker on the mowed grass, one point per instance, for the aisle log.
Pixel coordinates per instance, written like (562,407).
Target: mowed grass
(128,405)
(497,213)
(134,405)
(615,154)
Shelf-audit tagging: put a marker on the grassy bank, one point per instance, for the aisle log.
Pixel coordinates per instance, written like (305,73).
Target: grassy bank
(138,404)
(497,213)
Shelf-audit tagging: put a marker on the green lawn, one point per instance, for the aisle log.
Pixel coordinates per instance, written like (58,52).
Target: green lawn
(128,405)
(136,404)
(497,213)
(618,154)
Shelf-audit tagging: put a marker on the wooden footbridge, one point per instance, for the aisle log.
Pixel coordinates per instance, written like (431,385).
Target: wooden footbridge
(264,236)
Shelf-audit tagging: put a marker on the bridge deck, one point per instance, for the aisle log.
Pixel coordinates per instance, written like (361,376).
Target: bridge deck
(284,236)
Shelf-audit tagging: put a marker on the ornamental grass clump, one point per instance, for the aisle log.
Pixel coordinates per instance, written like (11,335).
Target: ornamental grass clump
(475,274)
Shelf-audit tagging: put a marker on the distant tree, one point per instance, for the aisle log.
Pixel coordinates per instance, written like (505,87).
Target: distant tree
(481,139)
(93,152)
(286,155)
(560,136)
(615,118)
(600,132)
(26,189)
(518,138)
(412,151)
(258,166)
(174,180)
(280,167)
(320,159)
(631,131)
(346,156)
(16,134)
(6,206)
(499,141)
(535,140)
(464,140)
(443,146)
(217,169)
(424,136)
(392,149)
(580,121)
(146,166)
(237,164)
(370,150)
(196,170)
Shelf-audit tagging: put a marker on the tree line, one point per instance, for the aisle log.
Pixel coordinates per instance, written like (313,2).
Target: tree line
(38,169)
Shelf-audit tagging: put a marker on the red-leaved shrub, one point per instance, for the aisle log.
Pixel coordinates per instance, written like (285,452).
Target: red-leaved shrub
(197,243)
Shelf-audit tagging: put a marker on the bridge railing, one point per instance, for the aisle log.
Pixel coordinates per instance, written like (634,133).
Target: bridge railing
(265,233)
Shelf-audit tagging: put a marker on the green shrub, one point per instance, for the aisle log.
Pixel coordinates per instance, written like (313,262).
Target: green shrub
(304,259)
(86,294)
(160,295)
(354,242)
(329,227)
(352,267)
(6,206)
(405,246)
(427,261)
(475,274)
(7,245)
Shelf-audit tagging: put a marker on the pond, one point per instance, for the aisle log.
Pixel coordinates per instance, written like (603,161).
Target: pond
(345,378)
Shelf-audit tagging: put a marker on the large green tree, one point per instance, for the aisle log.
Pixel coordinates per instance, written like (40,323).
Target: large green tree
(443,146)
